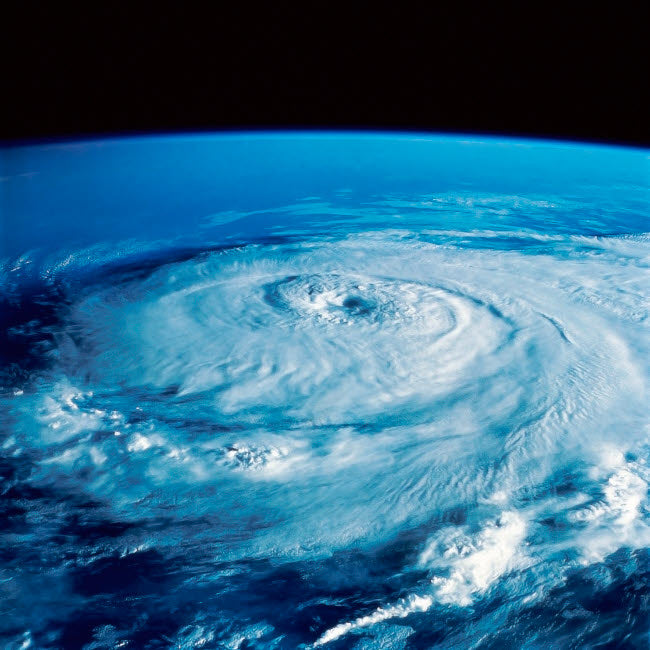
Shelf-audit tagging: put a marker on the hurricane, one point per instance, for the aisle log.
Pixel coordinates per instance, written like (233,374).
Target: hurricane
(324,391)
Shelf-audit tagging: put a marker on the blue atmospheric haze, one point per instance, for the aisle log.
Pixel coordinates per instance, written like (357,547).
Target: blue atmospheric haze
(332,390)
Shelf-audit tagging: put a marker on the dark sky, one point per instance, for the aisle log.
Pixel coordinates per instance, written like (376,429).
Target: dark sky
(572,75)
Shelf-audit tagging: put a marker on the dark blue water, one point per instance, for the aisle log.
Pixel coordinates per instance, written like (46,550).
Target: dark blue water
(324,390)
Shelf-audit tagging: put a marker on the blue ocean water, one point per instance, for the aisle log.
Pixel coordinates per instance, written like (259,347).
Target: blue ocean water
(324,390)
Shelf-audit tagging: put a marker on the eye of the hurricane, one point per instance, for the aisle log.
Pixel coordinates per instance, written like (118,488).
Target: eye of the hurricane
(356,305)
(331,298)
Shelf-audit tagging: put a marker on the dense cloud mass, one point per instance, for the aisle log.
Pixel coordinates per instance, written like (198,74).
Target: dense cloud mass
(393,435)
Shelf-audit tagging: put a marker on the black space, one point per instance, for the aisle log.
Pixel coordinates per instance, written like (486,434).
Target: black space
(578,75)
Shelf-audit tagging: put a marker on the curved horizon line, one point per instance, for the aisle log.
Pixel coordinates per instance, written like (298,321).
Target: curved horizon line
(320,131)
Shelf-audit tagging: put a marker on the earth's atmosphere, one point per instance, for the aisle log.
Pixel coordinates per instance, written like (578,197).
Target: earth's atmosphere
(324,390)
